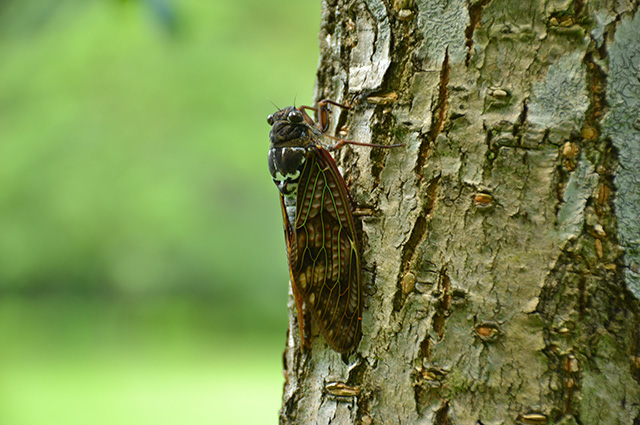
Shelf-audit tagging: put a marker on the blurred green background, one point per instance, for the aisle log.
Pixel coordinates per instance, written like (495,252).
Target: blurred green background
(143,276)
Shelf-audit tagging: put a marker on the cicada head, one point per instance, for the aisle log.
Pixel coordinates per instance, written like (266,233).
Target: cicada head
(289,127)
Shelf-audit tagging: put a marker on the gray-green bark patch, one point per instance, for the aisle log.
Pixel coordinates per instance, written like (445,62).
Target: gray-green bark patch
(609,386)
(370,57)
(442,24)
(579,189)
(622,125)
(561,98)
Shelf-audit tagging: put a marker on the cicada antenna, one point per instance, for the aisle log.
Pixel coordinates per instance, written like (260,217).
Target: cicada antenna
(276,106)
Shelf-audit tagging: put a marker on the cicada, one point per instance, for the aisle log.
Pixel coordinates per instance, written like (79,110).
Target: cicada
(320,234)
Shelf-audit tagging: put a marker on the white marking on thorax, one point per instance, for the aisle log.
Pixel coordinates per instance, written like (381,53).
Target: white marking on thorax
(290,207)
(280,177)
(290,181)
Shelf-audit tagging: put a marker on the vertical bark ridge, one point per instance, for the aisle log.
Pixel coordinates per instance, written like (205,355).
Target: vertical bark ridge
(475,13)
(442,415)
(439,113)
(418,233)
(443,304)
(588,281)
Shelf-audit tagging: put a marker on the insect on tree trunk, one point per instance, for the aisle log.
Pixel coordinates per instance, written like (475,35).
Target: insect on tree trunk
(501,243)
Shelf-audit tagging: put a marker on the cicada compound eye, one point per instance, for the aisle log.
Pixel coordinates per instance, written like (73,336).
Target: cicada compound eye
(294,116)
(270,119)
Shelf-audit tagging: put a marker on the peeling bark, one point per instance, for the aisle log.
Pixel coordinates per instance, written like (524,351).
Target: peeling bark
(500,260)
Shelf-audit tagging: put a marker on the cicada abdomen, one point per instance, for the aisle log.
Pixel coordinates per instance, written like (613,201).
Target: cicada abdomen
(324,256)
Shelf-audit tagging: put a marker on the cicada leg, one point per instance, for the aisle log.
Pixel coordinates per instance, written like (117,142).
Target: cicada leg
(299,304)
(322,117)
(321,113)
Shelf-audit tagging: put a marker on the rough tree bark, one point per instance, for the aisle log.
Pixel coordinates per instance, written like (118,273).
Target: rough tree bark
(501,255)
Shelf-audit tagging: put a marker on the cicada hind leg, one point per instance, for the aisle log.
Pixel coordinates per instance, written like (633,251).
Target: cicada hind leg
(322,123)
(297,297)
(321,113)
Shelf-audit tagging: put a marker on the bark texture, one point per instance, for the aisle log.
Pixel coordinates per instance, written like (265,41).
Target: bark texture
(501,253)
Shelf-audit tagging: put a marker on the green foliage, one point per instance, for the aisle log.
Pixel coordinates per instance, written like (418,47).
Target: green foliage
(135,192)
(134,160)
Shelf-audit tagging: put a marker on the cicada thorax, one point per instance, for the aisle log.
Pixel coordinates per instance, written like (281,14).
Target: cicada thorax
(319,229)
(291,140)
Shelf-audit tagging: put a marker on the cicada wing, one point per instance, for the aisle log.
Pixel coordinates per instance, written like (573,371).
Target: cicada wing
(323,252)
(292,256)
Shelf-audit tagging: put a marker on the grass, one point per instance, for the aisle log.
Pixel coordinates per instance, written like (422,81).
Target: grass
(65,361)
(145,387)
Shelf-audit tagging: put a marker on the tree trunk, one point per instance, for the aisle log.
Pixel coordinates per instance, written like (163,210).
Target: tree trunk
(501,252)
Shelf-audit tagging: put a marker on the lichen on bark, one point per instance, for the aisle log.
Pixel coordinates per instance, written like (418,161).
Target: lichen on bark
(623,126)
